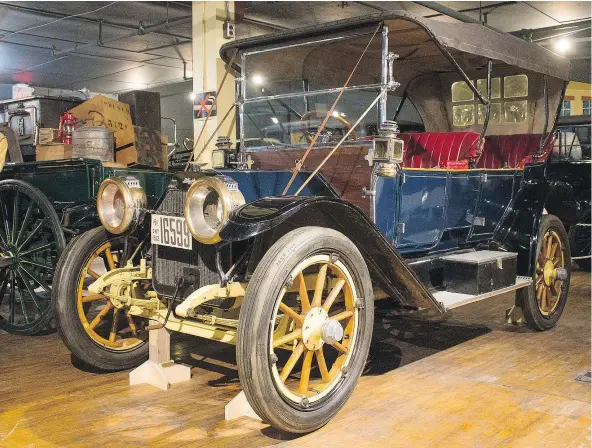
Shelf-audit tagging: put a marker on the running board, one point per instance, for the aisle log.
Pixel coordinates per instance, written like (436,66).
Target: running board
(450,300)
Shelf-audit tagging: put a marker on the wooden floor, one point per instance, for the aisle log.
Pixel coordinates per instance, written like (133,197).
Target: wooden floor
(462,380)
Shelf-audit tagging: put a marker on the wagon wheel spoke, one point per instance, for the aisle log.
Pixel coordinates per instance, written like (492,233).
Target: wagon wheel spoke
(305,372)
(131,323)
(32,294)
(25,223)
(37,263)
(11,300)
(303,293)
(31,235)
(5,219)
(289,366)
(4,285)
(15,214)
(343,315)
(278,342)
(36,249)
(290,312)
(114,324)
(322,365)
(100,316)
(333,294)
(23,305)
(319,286)
(340,347)
(93,297)
(92,273)
(22,270)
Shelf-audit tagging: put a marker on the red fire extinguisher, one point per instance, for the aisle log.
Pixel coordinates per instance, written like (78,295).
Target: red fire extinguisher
(67,123)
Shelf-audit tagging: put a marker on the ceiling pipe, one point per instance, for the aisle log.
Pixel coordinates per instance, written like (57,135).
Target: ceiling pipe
(272,26)
(435,6)
(46,13)
(142,30)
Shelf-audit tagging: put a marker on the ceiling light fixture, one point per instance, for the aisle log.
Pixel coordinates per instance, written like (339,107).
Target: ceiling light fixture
(563,45)
(257,79)
(275,120)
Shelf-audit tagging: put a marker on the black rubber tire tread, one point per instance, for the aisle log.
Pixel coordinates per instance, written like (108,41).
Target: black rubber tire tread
(252,346)
(532,315)
(46,206)
(65,296)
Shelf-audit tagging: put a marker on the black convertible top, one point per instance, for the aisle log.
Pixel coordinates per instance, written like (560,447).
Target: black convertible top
(471,38)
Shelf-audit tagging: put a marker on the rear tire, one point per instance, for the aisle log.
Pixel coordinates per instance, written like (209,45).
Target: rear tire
(542,307)
(93,346)
(277,282)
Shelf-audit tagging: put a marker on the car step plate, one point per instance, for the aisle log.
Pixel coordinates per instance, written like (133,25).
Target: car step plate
(452,300)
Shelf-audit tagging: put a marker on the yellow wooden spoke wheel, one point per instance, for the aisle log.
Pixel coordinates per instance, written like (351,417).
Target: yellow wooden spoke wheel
(550,273)
(305,328)
(543,303)
(317,326)
(104,323)
(96,331)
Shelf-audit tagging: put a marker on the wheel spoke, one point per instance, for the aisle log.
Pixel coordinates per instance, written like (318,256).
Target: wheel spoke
(339,346)
(322,365)
(23,306)
(25,222)
(93,297)
(544,303)
(38,249)
(36,263)
(319,286)
(32,294)
(22,269)
(15,213)
(287,338)
(343,315)
(303,293)
(333,294)
(92,273)
(553,249)
(291,362)
(5,219)
(305,372)
(132,325)
(100,316)
(32,234)
(3,287)
(290,312)
(110,260)
(113,333)
(11,300)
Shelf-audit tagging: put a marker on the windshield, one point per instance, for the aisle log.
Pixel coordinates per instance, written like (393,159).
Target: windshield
(288,92)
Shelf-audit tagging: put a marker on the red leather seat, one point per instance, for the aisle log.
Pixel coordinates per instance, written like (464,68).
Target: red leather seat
(439,149)
(512,151)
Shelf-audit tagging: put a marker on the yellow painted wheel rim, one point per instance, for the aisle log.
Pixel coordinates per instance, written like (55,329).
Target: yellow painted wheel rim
(106,325)
(331,291)
(547,286)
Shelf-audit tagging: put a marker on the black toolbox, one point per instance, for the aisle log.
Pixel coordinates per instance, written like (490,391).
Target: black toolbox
(479,272)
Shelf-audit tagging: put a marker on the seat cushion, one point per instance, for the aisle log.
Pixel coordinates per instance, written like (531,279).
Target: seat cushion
(439,149)
(513,151)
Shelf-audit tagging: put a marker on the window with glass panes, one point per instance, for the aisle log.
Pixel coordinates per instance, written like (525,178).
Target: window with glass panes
(509,101)
(587,106)
(566,107)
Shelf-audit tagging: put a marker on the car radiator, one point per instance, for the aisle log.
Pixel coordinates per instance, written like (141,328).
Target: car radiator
(197,266)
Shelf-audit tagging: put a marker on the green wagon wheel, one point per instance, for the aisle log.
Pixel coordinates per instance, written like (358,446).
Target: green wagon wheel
(31,241)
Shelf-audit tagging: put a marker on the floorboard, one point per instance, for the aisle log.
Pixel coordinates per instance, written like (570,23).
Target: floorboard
(465,379)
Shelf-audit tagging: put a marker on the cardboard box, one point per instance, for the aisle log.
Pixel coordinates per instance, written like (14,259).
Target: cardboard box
(109,113)
(53,152)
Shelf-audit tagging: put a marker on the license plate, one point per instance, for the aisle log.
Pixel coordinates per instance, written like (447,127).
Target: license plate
(171,231)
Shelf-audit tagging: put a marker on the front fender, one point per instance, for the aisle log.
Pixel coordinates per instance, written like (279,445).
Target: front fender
(278,215)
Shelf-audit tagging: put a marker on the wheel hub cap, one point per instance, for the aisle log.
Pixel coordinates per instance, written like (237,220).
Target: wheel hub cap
(312,328)
(318,329)
(549,273)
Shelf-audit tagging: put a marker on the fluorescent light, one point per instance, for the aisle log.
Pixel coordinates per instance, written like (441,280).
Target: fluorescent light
(563,45)
(342,114)
(275,120)
(192,96)
(335,113)
(257,79)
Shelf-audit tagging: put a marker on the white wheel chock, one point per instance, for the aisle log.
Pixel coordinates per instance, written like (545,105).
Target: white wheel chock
(239,407)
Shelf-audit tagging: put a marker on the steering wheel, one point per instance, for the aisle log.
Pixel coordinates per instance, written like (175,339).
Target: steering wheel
(323,113)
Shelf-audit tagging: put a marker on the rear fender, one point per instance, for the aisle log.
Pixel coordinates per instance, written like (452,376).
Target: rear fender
(270,218)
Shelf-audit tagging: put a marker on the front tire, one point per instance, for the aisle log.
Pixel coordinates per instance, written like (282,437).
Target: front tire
(96,333)
(310,297)
(542,309)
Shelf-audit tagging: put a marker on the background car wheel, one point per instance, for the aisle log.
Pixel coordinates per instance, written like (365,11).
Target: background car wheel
(580,243)
(305,328)
(543,309)
(31,241)
(96,332)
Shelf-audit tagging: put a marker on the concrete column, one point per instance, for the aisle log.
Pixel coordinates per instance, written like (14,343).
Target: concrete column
(208,69)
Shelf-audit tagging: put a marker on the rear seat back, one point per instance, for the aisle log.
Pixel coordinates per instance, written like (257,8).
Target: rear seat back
(439,149)
(512,151)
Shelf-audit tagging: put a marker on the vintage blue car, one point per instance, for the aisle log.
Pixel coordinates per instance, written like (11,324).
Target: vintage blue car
(327,205)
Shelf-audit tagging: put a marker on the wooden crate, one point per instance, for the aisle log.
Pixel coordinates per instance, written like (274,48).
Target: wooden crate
(53,152)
